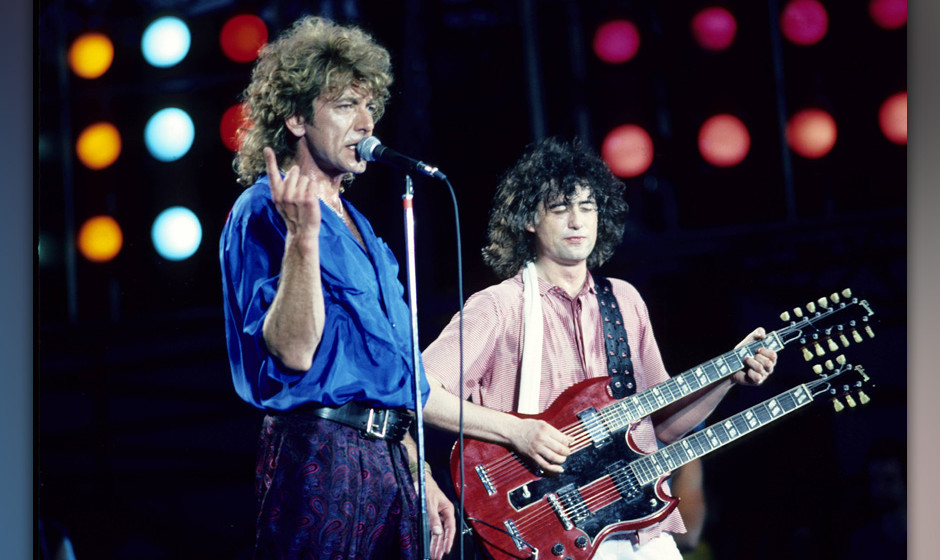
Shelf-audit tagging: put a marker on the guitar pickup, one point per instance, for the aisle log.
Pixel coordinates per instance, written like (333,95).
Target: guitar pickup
(571,504)
(485,480)
(594,425)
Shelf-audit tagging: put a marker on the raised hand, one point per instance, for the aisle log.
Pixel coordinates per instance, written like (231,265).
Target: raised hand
(296,196)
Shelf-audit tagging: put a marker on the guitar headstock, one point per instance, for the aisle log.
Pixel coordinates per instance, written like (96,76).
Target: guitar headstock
(828,324)
(840,380)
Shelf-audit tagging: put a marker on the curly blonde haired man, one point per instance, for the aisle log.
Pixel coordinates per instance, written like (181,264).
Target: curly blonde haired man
(318,333)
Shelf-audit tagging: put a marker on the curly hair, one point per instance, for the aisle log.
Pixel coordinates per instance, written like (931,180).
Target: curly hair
(550,170)
(314,57)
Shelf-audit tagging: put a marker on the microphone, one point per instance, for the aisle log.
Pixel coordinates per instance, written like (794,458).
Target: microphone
(371,149)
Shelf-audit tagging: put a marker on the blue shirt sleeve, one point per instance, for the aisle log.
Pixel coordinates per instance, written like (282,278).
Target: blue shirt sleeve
(365,353)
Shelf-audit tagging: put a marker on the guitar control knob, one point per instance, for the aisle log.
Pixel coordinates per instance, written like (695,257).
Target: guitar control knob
(581,542)
(558,549)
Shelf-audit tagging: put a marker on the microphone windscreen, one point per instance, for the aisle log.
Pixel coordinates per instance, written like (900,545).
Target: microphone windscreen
(366,147)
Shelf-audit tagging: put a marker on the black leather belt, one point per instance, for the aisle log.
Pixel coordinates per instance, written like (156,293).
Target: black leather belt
(379,423)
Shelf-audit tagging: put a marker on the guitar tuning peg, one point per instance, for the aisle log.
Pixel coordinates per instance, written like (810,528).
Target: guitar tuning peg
(817,369)
(855,336)
(829,365)
(819,349)
(785,316)
(843,340)
(840,359)
(837,405)
(811,307)
(832,345)
(823,302)
(849,401)
(863,398)
(798,312)
(869,332)
(807,355)
(835,298)
(846,293)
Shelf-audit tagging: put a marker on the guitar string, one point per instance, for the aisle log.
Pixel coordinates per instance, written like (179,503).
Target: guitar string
(511,464)
(606,490)
(610,489)
(729,362)
(498,469)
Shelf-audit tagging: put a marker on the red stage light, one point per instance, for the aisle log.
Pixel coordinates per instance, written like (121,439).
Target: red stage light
(628,150)
(233,121)
(892,118)
(714,28)
(804,22)
(616,41)
(724,141)
(812,133)
(242,37)
(889,14)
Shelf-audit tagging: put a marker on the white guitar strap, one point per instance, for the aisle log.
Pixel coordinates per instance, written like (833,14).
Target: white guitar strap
(531,372)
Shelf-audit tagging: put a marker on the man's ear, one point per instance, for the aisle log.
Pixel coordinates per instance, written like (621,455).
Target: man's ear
(295,124)
(530,228)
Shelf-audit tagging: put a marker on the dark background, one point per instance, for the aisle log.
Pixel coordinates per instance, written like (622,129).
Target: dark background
(143,450)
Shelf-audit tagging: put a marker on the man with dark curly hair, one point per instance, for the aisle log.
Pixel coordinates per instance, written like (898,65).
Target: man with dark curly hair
(557,213)
(318,332)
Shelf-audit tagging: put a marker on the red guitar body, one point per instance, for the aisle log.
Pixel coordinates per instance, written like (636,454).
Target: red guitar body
(516,512)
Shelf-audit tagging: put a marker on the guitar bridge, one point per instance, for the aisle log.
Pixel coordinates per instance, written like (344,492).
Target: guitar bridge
(485,480)
(560,512)
(515,534)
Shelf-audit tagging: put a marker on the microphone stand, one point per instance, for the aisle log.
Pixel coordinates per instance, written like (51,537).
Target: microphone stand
(407,204)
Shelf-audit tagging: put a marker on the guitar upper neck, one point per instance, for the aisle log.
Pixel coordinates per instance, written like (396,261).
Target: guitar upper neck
(633,408)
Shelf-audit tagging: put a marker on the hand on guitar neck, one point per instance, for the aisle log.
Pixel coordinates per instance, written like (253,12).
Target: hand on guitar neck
(760,366)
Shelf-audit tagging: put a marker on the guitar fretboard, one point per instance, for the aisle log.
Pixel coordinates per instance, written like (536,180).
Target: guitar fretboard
(633,408)
(651,467)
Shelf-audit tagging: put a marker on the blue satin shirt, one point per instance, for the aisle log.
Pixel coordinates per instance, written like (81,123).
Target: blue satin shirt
(365,353)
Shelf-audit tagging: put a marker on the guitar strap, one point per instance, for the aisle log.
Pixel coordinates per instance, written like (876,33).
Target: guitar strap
(619,364)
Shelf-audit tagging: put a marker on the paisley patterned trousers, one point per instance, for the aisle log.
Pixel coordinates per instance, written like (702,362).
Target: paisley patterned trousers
(327,492)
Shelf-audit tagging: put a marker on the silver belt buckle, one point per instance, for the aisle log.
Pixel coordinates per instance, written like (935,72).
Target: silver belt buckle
(372,429)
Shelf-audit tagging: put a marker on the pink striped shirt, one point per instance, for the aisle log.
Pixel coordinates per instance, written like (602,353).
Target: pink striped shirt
(572,350)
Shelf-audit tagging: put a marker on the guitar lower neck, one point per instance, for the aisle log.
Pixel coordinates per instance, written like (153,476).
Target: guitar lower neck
(689,448)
